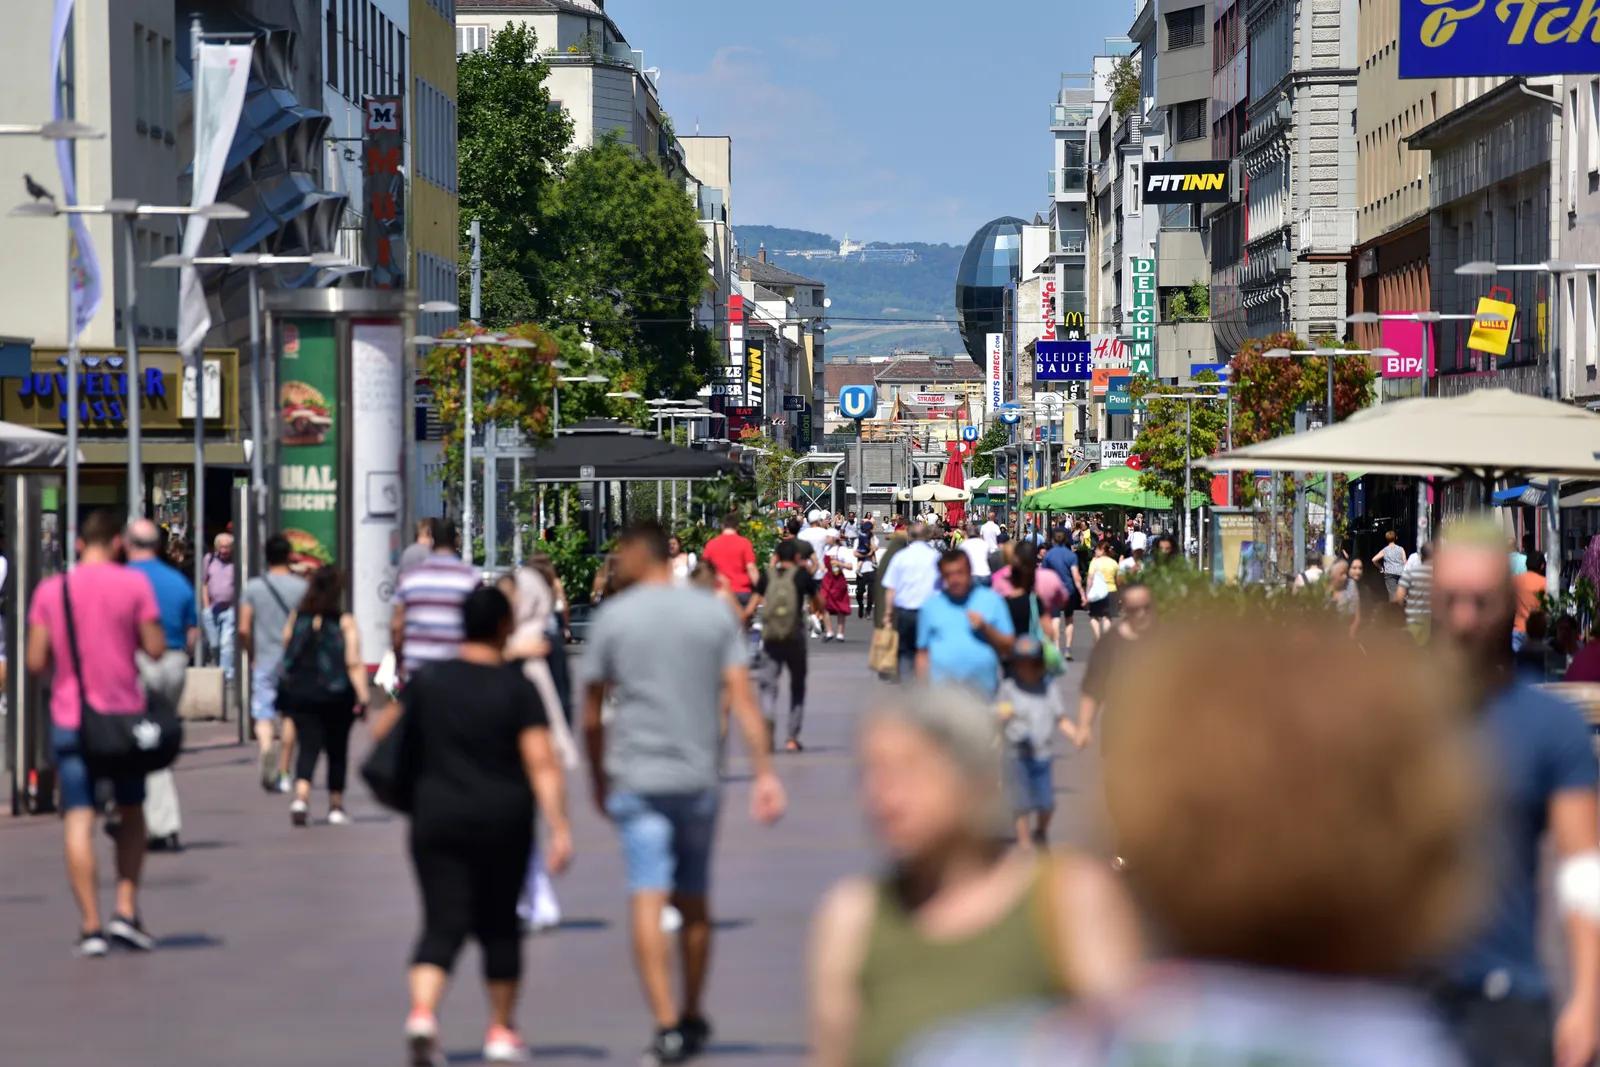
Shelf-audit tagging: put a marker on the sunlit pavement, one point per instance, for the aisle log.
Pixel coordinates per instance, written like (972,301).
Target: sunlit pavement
(283,946)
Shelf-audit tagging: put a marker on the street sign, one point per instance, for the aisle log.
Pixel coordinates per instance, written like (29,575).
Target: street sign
(1142,272)
(858,401)
(1119,397)
(1200,182)
(1062,361)
(1109,351)
(1010,414)
(793,402)
(969,433)
(1050,404)
(1115,453)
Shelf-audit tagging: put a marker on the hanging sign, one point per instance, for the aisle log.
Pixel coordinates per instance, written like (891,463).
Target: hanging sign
(1142,271)
(383,226)
(1493,337)
(1061,361)
(1475,39)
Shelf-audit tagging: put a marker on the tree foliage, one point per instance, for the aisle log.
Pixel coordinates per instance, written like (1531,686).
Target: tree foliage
(994,436)
(632,269)
(1125,90)
(1192,304)
(1165,442)
(512,148)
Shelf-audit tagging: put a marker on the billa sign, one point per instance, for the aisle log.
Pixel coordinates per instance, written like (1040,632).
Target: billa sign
(1480,38)
(1204,182)
(1493,337)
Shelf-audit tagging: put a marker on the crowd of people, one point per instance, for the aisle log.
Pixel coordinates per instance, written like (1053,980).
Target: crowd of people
(1279,855)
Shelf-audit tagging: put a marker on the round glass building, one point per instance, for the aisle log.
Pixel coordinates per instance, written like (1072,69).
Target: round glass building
(991,263)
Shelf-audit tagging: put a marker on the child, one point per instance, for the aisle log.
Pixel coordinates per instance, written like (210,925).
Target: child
(1032,708)
(835,594)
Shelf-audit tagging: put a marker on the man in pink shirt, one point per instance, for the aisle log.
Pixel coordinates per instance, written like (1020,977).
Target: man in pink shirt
(114,611)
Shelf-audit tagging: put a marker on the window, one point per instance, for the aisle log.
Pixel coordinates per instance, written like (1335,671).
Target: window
(1571,126)
(1189,119)
(141,80)
(1594,125)
(349,51)
(817,297)
(1591,339)
(472,39)
(331,33)
(1185,28)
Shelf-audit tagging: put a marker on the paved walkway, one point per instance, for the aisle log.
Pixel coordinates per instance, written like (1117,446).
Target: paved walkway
(282,946)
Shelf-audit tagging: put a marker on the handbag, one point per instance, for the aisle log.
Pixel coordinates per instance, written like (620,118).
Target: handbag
(1098,589)
(128,744)
(1054,662)
(884,655)
(388,769)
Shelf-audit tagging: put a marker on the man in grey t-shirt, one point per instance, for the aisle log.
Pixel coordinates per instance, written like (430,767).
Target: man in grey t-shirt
(264,609)
(668,654)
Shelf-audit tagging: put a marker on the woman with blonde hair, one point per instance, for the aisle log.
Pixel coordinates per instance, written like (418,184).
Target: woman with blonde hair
(960,923)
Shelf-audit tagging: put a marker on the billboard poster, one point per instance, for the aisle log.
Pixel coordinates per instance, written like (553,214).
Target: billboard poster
(383,225)
(377,377)
(1409,340)
(1474,39)
(308,437)
(1202,182)
(994,370)
(1062,361)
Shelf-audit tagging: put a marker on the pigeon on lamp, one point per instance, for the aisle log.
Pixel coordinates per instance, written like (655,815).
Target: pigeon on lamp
(37,191)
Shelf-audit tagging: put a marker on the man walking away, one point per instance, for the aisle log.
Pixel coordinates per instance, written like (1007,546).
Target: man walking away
(1416,592)
(264,610)
(1496,995)
(964,631)
(866,548)
(977,549)
(668,655)
(426,624)
(1063,561)
(217,602)
(164,676)
(734,558)
(909,579)
(116,616)
(420,549)
(990,531)
(784,592)
(1391,562)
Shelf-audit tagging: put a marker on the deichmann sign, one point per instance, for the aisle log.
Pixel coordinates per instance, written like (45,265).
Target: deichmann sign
(1477,38)
(1142,271)
(1062,361)
(1204,182)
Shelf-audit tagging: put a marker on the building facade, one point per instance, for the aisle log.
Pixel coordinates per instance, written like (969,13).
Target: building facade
(1578,236)
(783,313)
(434,220)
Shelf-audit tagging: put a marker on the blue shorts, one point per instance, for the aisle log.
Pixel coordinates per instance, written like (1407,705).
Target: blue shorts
(666,839)
(1032,787)
(77,785)
(264,693)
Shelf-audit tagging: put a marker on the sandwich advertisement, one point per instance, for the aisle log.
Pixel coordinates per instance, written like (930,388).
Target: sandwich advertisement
(308,433)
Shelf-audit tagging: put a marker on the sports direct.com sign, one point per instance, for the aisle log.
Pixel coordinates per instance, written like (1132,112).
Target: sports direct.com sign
(994,366)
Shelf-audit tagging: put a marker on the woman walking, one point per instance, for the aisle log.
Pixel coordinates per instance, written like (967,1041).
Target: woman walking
(1034,595)
(322,683)
(835,595)
(683,563)
(962,924)
(1102,591)
(478,750)
(559,630)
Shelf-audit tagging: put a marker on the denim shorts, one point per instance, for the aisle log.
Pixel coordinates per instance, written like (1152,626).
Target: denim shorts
(1032,787)
(666,839)
(264,693)
(77,785)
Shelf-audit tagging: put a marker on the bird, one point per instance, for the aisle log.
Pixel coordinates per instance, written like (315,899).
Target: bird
(37,191)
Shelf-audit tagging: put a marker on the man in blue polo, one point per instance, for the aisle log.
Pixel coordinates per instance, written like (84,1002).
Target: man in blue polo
(963,631)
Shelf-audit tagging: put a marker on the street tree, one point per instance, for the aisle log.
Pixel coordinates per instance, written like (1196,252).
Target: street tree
(994,436)
(1166,440)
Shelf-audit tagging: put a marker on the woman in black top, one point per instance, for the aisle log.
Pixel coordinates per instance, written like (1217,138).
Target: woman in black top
(323,683)
(478,746)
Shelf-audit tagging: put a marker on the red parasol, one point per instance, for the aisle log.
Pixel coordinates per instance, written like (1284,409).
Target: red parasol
(955,512)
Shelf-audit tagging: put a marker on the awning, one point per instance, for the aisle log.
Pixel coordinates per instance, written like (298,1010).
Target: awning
(1113,487)
(1583,498)
(611,452)
(1529,495)
(24,446)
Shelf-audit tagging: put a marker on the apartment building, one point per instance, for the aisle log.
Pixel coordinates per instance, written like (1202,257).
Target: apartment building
(782,335)
(1225,223)
(1578,236)
(435,221)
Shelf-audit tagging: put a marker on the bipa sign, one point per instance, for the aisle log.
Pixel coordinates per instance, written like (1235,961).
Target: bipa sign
(1401,366)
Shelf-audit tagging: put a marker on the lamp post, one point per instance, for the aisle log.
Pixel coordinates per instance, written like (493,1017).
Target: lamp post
(1188,436)
(555,394)
(1555,268)
(1328,354)
(1427,319)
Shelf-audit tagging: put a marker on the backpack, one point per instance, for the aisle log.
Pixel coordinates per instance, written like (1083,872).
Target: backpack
(313,671)
(780,615)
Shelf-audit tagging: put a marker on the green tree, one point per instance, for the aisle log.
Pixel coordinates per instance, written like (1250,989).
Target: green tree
(512,149)
(1165,442)
(1192,304)
(632,269)
(1125,89)
(994,436)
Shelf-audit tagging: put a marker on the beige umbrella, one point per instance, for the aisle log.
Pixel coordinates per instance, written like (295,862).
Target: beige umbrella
(1488,433)
(938,492)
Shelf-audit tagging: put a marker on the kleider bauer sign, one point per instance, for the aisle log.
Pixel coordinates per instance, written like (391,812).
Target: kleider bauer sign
(1204,182)
(1478,38)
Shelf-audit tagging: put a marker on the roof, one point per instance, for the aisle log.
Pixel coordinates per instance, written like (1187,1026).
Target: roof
(577,7)
(924,369)
(1477,115)
(837,375)
(754,270)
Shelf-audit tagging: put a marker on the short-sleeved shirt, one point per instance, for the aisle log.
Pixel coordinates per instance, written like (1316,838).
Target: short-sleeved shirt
(174,599)
(1108,652)
(469,770)
(1417,581)
(990,532)
(109,605)
(221,576)
(415,553)
(269,613)
(731,554)
(956,652)
(1540,746)
(1393,559)
(1529,586)
(1036,715)
(913,574)
(1062,561)
(663,650)
(432,593)
(1107,568)
(977,550)
(1052,594)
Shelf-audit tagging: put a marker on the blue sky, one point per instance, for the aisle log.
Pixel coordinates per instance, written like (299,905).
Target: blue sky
(887,119)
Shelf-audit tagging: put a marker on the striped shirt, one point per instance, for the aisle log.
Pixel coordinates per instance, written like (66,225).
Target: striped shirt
(1417,581)
(432,592)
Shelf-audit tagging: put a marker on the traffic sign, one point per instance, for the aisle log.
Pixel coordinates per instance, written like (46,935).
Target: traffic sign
(1010,414)
(858,401)
(969,433)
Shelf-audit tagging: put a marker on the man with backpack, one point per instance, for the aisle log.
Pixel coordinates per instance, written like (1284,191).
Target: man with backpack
(267,603)
(783,594)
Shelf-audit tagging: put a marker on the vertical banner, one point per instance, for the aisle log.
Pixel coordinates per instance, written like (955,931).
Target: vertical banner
(376,501)
(308,435)
(222,73)
(1142,271)
(383,223)
(83,267)
(1047,309)
(736,343)
(755,384)
(994,369)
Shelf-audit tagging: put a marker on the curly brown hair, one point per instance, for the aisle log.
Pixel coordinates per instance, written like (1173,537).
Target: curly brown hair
(1311,806)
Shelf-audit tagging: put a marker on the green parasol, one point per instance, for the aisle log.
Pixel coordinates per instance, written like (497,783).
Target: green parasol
(1113,487)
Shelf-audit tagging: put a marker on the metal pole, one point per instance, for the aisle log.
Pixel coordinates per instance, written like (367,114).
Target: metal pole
(1188,430)
(258,421)
(135,393)
(71,524)
(1327,500)
(1552,508)
(1230,445)
(1424,526)
(491,497)
(1300,485)
(672,430)
(197,490)
(688,484)
(475,312)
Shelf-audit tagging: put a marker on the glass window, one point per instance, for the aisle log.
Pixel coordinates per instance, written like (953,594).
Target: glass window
(1190,119)
(331,32)
(1185,28)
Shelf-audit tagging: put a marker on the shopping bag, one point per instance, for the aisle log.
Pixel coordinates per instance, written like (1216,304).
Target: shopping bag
(884,655)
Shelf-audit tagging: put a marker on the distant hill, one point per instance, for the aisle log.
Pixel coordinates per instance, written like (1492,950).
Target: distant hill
(880,301)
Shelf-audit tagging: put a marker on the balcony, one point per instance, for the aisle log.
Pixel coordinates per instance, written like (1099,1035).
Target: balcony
(1068,183)
(1326,231)
(1265,266)
(1070,116)
(1102,175)
(1071,242)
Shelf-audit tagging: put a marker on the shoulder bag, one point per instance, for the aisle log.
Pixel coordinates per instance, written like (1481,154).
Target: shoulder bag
(126,744)
(1054,662)
(389,769)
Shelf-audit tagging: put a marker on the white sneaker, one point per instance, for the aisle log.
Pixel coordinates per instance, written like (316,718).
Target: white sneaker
(285,786)
(337,817)
(299,812)
(504,1046)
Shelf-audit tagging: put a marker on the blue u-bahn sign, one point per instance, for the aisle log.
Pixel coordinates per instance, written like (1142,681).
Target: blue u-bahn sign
(858,401)
(1478,38)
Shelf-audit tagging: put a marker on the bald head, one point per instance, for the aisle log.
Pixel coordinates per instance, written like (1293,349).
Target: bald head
(142,539)
(1473,602)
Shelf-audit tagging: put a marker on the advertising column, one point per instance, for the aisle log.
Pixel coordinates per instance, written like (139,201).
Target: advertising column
(308,474)
(375,499)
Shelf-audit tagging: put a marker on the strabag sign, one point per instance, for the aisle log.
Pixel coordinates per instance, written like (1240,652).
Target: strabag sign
(1201,182)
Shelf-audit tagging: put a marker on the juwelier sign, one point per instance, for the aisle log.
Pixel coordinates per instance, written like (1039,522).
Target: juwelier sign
(1477,38)
(1203,182)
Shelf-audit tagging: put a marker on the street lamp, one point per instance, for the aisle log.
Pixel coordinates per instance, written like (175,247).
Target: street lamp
(57,130)
(555,394)
(1188,436)
(1329,354)
(469,343)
